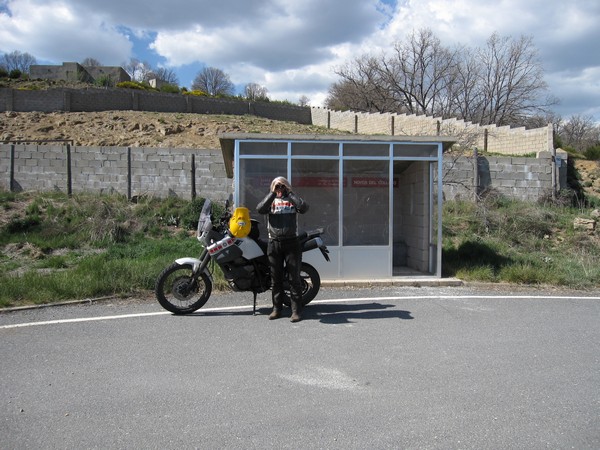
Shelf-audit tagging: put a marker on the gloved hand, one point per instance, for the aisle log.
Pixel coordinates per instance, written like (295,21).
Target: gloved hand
(280,181)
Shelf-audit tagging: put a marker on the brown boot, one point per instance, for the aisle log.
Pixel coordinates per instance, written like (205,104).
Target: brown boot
(275,314)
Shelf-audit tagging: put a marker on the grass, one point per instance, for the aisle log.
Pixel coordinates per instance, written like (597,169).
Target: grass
(59,248)
(519,242)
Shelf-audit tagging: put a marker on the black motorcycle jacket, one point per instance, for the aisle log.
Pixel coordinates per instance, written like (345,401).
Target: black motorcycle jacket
(282,220)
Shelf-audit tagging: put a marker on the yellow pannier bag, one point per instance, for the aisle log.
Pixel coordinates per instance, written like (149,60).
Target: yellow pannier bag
(239,224)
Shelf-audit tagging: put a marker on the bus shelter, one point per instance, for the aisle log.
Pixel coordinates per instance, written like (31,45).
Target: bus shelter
(378,199)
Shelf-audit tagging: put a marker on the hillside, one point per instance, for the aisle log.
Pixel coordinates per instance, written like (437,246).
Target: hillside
(140,129)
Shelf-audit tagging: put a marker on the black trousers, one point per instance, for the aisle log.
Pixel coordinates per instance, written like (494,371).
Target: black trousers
(285,255)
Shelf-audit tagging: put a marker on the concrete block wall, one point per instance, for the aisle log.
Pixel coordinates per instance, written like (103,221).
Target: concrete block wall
(93,99)
(528,179)
(37,167)
(159,172)
(99,169)
(165,171)
(504,140)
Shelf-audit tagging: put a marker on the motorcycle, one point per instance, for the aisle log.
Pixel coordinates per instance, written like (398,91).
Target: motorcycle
(185,286)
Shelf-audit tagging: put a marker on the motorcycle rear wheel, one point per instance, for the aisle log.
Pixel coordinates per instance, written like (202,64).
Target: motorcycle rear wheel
(311,283)
(179,292)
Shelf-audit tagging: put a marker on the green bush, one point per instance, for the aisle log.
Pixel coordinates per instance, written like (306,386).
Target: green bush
(105,81)
(592,153)
(15,74)
(169,89)
(132,85)
(196,93)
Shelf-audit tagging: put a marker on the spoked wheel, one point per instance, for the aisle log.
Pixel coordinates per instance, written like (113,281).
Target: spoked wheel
(178,291)
(311,283)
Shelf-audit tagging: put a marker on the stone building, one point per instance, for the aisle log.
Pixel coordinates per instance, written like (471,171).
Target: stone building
(72,71)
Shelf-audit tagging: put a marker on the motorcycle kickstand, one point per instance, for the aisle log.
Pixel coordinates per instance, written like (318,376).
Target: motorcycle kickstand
(254,306)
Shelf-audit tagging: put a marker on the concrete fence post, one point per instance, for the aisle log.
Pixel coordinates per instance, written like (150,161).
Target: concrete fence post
(11,182)
(554,171)
(475,175)
(193,176)
(485,140)
(67,101)
(129,180)
(10,100)
(69,174)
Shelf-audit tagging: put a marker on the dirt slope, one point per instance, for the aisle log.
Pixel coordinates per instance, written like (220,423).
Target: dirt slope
(140,129)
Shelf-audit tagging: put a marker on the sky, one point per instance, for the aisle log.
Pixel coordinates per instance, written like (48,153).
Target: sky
(292,47)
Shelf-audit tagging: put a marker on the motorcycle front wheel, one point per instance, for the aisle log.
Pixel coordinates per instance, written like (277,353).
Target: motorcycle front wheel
(310,281)
(178,291)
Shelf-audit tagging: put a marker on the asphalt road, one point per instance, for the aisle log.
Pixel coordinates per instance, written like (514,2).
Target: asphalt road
(388,367)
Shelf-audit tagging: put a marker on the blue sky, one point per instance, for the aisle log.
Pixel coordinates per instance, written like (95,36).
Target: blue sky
(292,47)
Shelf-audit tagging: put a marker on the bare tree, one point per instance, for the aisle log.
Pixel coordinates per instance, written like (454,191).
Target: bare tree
(256,92)
(213,81)
(303,101)
(167,75)
(579,132)
(18,61)
(511,81)
(362,88)
(91,62)
(420,73)
(137,70)
(501,83)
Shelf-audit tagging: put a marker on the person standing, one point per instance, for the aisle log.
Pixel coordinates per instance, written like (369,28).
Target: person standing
(282,206)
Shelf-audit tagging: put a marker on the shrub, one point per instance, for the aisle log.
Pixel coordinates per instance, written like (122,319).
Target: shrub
(169,89)
(15,74)
(131,85)
(196,93)
(105,81)
(592,153)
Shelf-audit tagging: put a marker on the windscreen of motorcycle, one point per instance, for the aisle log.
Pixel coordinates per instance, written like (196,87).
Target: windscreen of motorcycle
(204,222)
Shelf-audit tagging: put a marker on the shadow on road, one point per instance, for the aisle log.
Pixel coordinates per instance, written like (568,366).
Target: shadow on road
(347,313)
(326,313)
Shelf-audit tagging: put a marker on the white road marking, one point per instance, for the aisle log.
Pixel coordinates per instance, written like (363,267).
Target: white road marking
(336,300)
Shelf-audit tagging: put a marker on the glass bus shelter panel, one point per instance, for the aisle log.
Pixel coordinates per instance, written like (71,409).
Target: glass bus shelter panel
(317,182)
(263,148)
(255,182)
(415,150)
(366,150)
(366,203)
(315,149)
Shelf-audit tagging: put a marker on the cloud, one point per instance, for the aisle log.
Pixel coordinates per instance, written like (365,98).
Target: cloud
(54,32)
(292,46)
(291,35)
(580,91)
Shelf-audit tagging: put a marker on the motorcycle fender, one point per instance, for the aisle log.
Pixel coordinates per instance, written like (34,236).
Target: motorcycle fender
(194,262)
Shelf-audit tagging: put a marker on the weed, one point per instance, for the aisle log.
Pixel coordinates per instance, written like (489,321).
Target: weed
(57,247)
